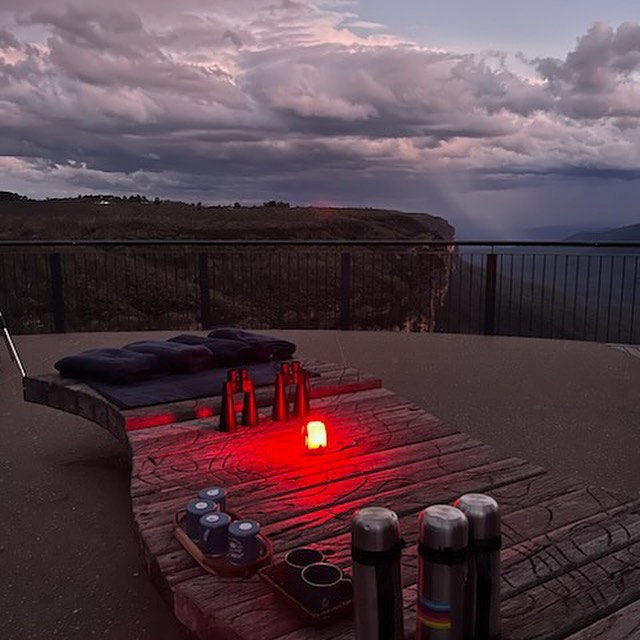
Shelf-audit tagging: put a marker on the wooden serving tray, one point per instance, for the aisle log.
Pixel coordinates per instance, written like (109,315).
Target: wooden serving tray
(273,576)
(220,565)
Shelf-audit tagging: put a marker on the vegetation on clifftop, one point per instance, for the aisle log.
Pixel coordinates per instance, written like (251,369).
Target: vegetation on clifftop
(88,219)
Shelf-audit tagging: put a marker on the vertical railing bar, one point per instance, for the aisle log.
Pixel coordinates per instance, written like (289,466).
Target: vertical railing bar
(254,264)
(73,308)
(427,295)
(553,295)
(248,280)
(533,292)
(331,266)
(120,277)
(470,303)
(107,293)
(57,292)
(83,290)
(165,271)
(418,318)
(490,293)
(447,273)
(564,294)
(204,285)
(14,285)
(345,286)
(147,258)
(307,279)
(111,294)
(586,304)
(510,321)
(367,284)
(95,271)
(126,278)
(597,332)
(621,304)
(180,302)
(410,298)
(138,266)
(483,278)
(544,288)
(298,280)
(136,297)
(575,297)
(461,275)
(320,299)
(633,300)
(522,263)
(120,274)
(119,268)
(214,278)
(241,290)
(33,321)
(110,269)
(610,295)
(499,285)
(188,319)
(361,287)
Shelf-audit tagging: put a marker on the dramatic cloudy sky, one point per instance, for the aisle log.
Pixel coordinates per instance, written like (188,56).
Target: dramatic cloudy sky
(497,114)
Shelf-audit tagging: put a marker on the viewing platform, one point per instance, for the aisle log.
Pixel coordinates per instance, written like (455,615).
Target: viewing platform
(569,407)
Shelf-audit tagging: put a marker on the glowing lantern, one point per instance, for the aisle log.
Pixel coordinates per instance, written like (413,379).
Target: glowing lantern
(315,436)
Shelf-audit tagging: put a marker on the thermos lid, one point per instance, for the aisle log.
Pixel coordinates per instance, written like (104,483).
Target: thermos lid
(483,514)
(375,529)
(443,527)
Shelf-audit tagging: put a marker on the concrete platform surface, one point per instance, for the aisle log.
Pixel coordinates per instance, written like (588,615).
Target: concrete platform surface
(69,564)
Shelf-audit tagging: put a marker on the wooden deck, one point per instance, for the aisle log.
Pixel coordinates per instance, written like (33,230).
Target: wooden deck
(571,557)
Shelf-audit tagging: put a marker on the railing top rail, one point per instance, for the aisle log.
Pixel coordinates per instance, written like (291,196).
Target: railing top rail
(339,243)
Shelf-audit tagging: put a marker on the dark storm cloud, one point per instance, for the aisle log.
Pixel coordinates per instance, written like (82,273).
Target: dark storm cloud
(217,98)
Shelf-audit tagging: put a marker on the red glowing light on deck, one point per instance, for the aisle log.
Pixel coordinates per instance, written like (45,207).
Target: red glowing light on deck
(315,435)
(204,412)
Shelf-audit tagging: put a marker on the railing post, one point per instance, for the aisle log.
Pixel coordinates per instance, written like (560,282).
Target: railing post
(57,293)
(205,297)
(345,291)
(490,294)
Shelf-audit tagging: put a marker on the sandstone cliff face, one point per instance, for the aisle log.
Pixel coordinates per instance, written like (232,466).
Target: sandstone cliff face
(187,287)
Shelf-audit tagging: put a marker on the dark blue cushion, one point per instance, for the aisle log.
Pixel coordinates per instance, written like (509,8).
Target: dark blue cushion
(117,366)
(266,348)
(176,357)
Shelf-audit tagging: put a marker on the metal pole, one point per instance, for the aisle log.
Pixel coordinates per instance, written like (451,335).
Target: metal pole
(490,294)
(205,295)
(345,291)
(57,292)
(11,347)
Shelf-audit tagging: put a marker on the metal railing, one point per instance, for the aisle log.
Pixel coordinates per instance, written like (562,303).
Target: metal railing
(587,291)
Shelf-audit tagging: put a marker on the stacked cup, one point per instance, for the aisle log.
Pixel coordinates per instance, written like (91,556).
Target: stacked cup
(318,584)
(216,534)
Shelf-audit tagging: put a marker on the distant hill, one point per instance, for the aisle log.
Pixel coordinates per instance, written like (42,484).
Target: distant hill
(629,233)
(557,233)
(122,219)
